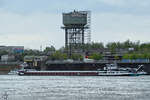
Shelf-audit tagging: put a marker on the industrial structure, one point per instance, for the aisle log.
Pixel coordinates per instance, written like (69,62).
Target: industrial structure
(77,30)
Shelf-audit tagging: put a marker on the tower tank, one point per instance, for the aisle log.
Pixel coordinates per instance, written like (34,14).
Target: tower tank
(74,18)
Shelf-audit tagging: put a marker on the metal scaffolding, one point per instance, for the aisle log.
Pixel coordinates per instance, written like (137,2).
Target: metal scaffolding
(88,30)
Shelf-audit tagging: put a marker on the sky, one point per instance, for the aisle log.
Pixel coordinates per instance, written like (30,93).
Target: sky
(36,23)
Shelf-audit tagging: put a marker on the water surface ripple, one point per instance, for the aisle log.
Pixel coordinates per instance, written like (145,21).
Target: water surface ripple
(74,88)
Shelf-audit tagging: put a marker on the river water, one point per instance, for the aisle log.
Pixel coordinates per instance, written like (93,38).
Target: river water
(13,87)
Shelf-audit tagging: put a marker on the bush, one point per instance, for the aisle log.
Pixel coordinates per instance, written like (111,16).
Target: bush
(96,56)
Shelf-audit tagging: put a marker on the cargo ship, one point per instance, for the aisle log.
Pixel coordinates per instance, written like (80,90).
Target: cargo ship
(109,70)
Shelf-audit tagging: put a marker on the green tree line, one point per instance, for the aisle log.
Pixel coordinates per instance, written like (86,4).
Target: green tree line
(140,50)
(136,56)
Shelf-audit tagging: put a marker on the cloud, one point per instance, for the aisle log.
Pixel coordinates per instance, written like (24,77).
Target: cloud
(109,27)
(31,31)
(132,7)
(114,2)
(37,22)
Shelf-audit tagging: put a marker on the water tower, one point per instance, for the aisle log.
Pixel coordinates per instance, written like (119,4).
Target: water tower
(76,24)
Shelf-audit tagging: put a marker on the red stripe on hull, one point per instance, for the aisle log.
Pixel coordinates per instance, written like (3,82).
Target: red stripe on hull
(59,73)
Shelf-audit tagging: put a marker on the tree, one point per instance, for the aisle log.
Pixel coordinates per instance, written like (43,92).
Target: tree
(76,57)
(126,56)
(116,57)
(2,52)
(32,52)
(96,56)
(137,56)
(134,56)
(49,50)
(94,46)
(112,46)
(58,56)
(19,57)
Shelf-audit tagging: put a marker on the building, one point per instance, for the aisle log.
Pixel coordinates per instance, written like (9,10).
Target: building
(6,58)
(35,62)
(12,49)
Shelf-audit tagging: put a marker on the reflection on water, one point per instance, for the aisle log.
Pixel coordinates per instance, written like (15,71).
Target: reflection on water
(74,88)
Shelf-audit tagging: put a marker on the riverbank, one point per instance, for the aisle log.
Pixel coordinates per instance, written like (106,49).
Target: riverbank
(6,67)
